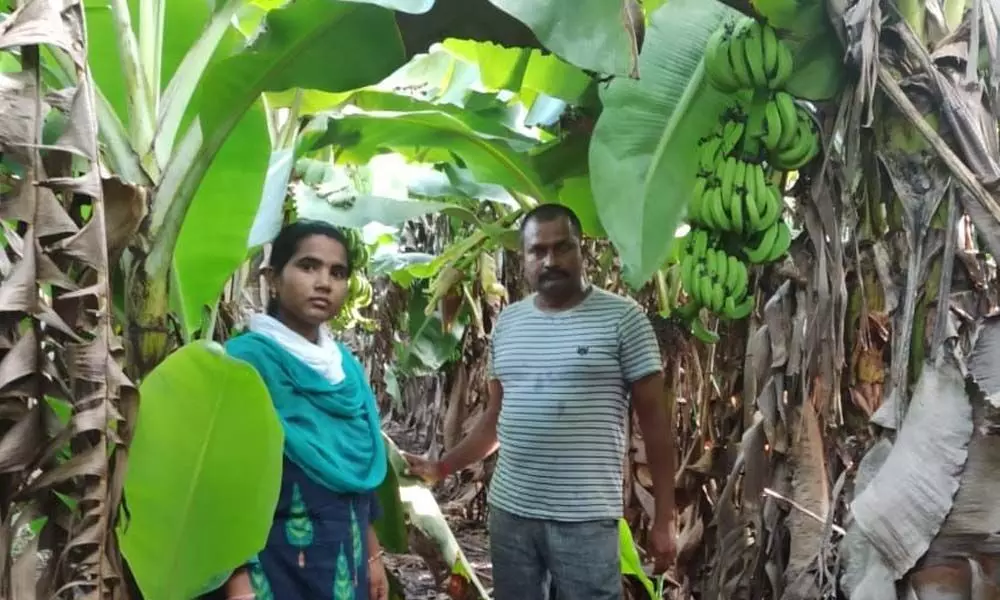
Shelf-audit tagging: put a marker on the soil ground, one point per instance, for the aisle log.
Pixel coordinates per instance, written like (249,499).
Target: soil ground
(416,579)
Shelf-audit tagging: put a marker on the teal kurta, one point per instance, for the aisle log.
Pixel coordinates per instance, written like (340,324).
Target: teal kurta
(334,461)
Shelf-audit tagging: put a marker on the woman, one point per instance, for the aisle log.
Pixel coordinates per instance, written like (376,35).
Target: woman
(322,544)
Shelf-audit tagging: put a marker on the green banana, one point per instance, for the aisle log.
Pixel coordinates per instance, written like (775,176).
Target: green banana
(753,49)
(736,312)
(769,44)
(732,134)
(701,186)
(739,177)
(709,260)
(783,68)
(782,241)
(750,199)
(772,207)
(709,154)
(721,265)
(720,74)
(719,211)
(789,115)
(705,290)
(758,254)
(700,243)
(687,272)
(736,215)
(705,214)
(718,297)
(736,280)
(802,150)
(772,125)
(737,56)
(728,176)
(699,331)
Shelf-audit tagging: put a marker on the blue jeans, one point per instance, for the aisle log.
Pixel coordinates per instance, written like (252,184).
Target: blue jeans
(581,559)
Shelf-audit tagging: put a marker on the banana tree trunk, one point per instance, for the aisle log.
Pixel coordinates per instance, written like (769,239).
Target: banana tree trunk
(150,334)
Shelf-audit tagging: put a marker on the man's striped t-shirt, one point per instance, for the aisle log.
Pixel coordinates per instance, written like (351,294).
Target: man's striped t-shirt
(566,378)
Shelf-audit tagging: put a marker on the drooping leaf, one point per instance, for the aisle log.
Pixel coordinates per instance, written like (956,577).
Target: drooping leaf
(432,136)
(902,509)
(267,223)
(642,158)
(391,526)
(354,211)
(523,71)
(596,35)
(204,472)
(865,574)
(486,125)
(630,563)
(451,181)
(426,515)
(294,51)
(397,265)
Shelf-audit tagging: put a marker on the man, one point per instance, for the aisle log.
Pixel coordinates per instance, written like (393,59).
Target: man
(563,363)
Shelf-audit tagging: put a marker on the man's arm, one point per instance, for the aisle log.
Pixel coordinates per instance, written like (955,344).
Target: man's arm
(642,367)
(481,441)
(657,433)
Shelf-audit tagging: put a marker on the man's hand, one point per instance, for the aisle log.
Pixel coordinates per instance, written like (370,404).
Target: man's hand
(663,544)
(378,582)
(428,470)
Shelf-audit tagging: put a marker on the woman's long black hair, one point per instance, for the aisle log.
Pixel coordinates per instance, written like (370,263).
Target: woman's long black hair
(286,244)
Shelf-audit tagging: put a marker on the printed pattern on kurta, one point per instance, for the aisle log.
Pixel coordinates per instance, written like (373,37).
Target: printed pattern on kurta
(318,546)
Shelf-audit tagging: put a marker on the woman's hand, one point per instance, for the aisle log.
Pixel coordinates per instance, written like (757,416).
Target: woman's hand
(378,582)
(239,587)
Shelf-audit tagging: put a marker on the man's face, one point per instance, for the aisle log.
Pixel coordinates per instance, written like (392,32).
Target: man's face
(553,262)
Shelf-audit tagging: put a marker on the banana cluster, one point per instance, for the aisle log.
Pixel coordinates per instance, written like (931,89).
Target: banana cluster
(736,197)
(789,134)
(735,209)
(359,289)
(747,55)
(713,278)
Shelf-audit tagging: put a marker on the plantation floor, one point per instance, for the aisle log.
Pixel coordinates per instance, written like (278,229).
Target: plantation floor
(410,569)
(413,574)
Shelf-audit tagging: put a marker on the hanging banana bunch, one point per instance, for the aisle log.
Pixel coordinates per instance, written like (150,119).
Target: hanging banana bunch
(359,289)
(735,210)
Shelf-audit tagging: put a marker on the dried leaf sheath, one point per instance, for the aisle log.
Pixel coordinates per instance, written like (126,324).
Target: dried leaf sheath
(56,336)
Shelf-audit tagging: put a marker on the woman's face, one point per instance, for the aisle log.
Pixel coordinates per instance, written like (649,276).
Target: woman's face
(312,286)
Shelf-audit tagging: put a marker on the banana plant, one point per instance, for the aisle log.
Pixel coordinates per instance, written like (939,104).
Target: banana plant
(179,91)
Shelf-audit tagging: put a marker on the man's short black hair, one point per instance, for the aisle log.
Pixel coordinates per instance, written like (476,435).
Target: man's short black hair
(550,212)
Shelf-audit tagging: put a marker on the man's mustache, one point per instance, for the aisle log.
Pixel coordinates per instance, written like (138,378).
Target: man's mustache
(553,274)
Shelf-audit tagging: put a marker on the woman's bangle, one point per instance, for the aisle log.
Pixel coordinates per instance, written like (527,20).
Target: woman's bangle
(372,559)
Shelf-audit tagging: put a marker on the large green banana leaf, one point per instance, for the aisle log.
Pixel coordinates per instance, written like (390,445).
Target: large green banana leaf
(642,155)
(204,472)
(462,69)
(527,72)
(591,34)
(293,51)
(433,136)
